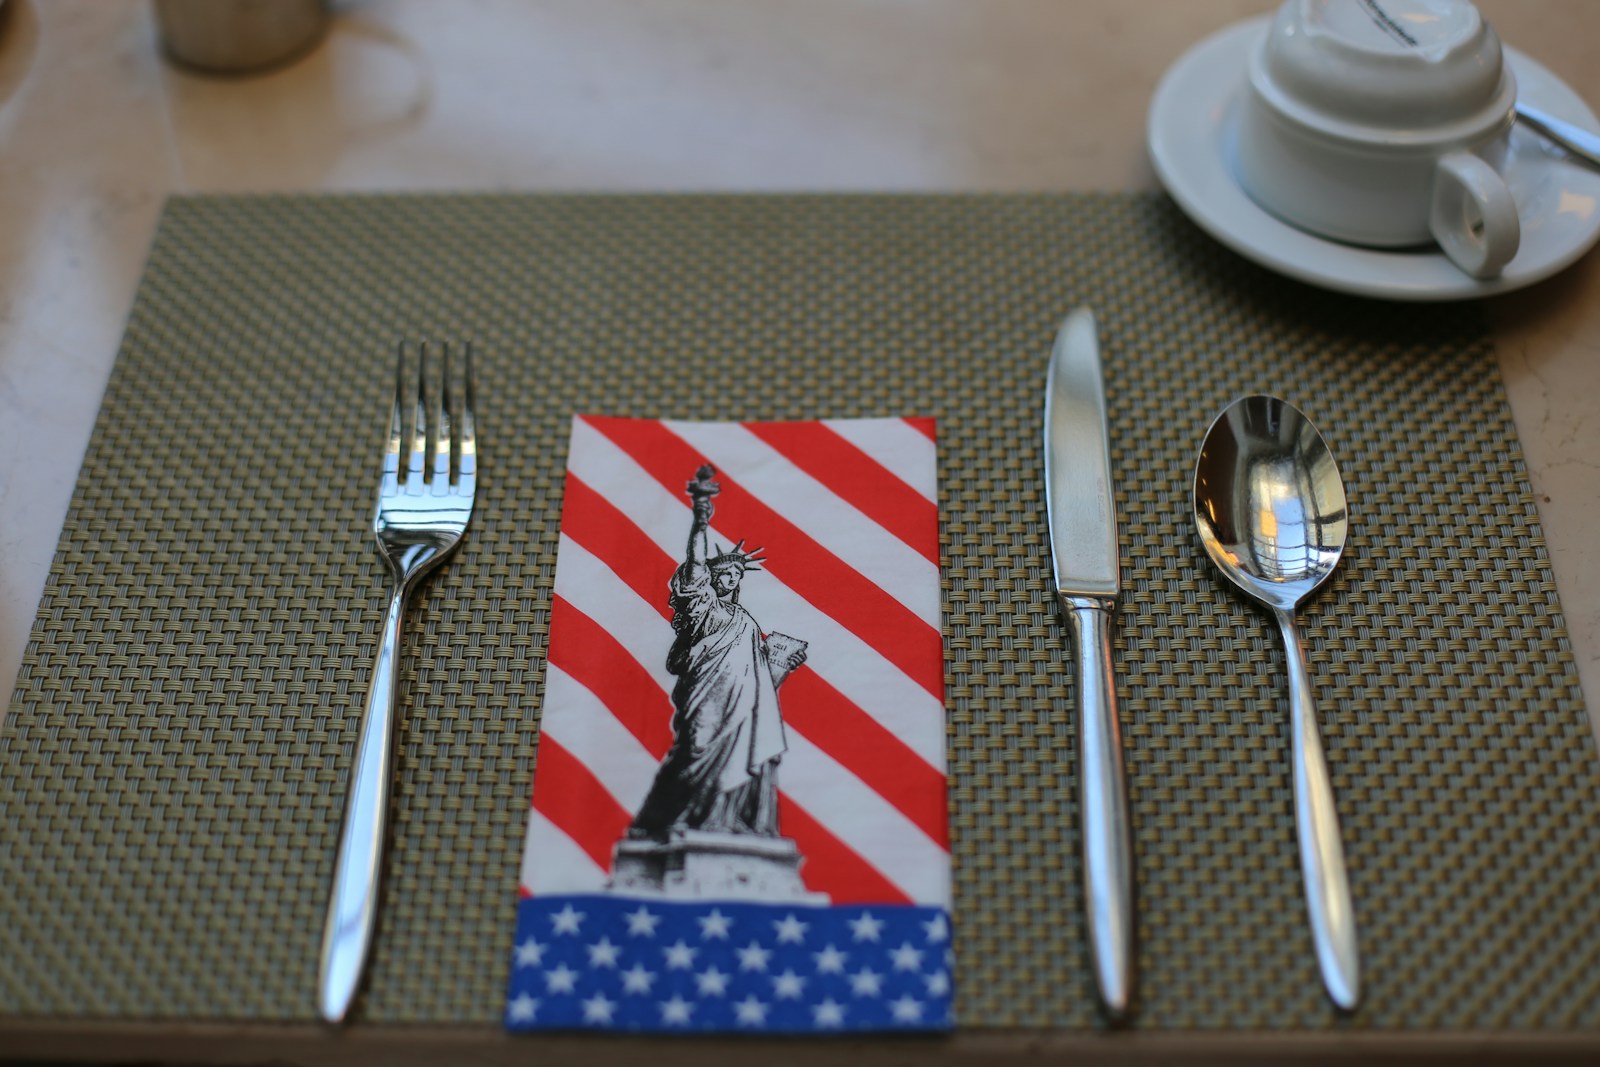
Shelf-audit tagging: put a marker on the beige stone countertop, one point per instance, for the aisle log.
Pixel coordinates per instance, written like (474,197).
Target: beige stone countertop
(96,129)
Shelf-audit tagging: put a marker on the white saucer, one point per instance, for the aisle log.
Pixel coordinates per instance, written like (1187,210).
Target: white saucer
(1190,138)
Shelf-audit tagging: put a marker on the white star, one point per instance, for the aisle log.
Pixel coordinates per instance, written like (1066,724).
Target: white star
(828,1013)
(641,923)
(753,957)
(750,1012)
(938,929)
(567,920)
(676,1010)
(597,1009)
(866,982)
(530,953)
(865,928)
(603,953)
(938,983)
(712,983)
(790,929)
(561,980)
(715,925)
(679,956)
(829,961)
(636,979)
(524,1009)
(906,1010)
(906,957)
(788,984)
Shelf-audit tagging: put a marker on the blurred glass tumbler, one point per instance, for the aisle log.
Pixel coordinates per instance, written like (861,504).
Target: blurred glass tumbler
(1384,123)
(239,36)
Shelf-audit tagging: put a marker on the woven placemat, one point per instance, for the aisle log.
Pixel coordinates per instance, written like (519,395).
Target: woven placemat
(171,774)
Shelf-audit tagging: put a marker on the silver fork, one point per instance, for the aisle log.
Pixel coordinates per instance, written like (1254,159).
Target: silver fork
(422,512)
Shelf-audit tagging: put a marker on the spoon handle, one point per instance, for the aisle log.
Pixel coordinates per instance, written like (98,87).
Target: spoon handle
(1574,138)
(1333,919)
(1103,805)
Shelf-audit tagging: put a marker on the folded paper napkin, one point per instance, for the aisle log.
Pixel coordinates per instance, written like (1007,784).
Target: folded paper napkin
(738,819)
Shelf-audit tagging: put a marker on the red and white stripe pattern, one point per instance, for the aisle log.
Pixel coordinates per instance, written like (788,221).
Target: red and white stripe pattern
(846,511)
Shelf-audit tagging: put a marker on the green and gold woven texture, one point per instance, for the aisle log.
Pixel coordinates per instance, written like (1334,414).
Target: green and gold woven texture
(173,768)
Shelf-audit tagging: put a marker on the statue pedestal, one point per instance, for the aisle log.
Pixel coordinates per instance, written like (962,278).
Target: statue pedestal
(704,865)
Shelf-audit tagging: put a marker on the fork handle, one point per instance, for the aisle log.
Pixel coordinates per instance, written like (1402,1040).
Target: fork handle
(353,902)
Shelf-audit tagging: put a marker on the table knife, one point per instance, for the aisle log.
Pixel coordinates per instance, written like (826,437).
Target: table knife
(1083,548)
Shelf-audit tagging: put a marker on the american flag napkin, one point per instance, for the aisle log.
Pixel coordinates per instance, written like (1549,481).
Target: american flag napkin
(738,818)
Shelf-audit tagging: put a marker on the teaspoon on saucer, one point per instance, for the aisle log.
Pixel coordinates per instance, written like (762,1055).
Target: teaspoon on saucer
(1574,138)
(1270,508)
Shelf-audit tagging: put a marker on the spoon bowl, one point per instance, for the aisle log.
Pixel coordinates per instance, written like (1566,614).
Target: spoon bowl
(1269,502)
(1270,509)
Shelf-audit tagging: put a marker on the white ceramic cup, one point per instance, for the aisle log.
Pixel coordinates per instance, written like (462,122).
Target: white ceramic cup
(1384,123)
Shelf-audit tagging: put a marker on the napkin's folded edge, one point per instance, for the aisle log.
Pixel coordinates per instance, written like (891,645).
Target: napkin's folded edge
(739,810)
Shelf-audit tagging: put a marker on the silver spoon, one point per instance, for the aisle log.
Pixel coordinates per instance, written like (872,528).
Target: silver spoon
(1270,506)
(1574,138)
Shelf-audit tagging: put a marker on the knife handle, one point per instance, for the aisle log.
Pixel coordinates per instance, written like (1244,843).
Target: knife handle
(1103,805)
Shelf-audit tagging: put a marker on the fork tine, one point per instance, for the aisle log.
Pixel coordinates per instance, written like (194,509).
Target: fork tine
(441,430)
(468,437)
(391,451)
(417,460)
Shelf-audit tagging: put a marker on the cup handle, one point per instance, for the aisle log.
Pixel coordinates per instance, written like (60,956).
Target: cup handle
(1473,218)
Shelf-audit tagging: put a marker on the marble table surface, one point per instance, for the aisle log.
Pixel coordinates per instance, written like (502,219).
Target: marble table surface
(97,128)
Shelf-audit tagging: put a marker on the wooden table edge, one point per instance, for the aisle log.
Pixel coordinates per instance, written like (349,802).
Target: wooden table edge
(111,1041)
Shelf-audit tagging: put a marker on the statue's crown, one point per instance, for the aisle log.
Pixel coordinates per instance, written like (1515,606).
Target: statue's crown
(738,557)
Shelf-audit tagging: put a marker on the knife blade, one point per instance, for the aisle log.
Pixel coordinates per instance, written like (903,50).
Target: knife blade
(1083,550)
